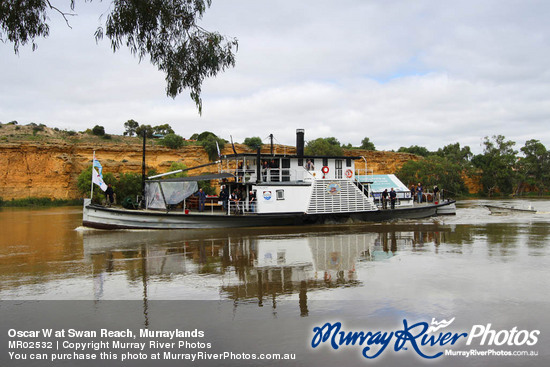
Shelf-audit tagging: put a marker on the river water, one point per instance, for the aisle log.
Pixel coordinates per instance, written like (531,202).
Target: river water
(269,287)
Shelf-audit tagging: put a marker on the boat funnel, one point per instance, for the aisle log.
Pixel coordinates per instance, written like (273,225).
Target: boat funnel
(300,142)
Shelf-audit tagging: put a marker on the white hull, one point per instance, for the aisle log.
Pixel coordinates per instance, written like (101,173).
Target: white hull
(115,218)
(501,210)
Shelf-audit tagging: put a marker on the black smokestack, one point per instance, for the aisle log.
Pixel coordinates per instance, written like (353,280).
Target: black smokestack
(258,166)
(300,142)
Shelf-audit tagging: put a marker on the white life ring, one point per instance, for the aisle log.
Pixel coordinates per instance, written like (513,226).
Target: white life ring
(324,169)
(349,173)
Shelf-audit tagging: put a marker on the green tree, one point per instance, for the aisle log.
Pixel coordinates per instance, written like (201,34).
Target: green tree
(415,149)
(324,147)
(434,170)
(203,136)
(84,182)
(98,130)
(148,131)
(166,32)
(163,129)
(130,127)
(367,144)
(172,141)
(209,144)
(176,166)
(534,168)
(455,153)
(128,185)
(253,142)
(208,141)
(498,165)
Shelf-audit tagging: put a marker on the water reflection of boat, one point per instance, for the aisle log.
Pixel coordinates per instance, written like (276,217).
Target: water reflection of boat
(501,209)
(235,266)
(245,266)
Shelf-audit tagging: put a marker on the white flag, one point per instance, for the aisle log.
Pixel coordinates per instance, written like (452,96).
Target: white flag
(96,178)
(218,147)
(98,166)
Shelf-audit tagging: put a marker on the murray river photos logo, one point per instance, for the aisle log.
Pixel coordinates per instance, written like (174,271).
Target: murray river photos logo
(429,341)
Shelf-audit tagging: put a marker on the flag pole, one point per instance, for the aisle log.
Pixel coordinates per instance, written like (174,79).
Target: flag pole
(92,176)
(143,172)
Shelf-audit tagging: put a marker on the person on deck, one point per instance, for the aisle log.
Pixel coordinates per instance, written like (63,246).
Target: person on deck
(252,201)
(224,197)
(419,193)
(240,172)
(385,199)
(110,195)
(436,194)
(309,165)
(393,198)
(202,199)
(235,199)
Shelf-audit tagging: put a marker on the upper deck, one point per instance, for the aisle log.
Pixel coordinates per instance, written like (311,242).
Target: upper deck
(267,168)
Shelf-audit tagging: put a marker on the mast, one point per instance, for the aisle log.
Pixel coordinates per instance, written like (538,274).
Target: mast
(92,184)
(143,171)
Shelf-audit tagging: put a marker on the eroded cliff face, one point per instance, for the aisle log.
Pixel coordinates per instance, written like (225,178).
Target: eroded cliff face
(382,163)
(51,169)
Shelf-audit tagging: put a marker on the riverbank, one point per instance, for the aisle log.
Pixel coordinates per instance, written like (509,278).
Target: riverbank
(33,202)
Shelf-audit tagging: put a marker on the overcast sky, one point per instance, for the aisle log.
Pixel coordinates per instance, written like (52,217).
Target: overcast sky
(402,73)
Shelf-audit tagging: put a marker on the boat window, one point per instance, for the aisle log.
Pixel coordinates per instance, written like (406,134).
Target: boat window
(338,168)
(286,175)
(285,163)
(280,194)
(325,161)
(348,162)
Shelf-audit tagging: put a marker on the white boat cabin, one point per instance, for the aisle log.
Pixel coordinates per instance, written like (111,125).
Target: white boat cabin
(291,184)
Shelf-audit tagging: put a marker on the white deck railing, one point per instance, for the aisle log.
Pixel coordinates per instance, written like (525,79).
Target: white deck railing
(338,196)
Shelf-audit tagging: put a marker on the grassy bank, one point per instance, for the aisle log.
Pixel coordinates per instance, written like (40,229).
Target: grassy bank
(39,202)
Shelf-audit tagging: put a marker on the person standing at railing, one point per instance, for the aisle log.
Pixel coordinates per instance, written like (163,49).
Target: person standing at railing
(393,198)
(309,165)
(419,193)
(385,199)
(235,199)
(240,172)
(252,201)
